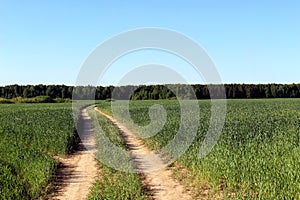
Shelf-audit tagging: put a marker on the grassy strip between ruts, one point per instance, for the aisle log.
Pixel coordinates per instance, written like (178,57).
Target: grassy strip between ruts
(114,184)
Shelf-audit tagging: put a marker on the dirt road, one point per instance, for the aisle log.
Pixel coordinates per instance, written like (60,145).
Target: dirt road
(160,181)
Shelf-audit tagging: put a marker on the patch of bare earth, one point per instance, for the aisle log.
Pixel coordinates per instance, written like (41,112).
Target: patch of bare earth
(78,171)
(159,180)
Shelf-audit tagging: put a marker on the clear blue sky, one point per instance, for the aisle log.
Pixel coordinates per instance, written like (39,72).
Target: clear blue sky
(46,41)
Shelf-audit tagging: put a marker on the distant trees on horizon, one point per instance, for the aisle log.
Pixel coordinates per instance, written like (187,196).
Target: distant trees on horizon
(144,92)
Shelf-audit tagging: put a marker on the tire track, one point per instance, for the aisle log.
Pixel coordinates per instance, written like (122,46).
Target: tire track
(78,172)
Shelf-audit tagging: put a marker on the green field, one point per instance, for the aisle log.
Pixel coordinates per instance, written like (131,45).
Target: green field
(256,157)
(30,135)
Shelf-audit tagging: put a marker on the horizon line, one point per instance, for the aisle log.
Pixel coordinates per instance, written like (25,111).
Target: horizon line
(115,85)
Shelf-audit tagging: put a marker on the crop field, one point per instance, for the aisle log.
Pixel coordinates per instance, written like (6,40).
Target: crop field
(30,135)
(256,157)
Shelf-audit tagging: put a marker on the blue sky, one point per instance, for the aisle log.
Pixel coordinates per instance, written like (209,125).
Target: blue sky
(249,41)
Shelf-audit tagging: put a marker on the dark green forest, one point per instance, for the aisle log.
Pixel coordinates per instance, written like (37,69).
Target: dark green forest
(153,92)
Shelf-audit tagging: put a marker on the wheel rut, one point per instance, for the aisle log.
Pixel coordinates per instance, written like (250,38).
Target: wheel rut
(78,171)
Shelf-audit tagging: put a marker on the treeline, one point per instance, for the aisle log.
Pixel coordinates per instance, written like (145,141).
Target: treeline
(152,91)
